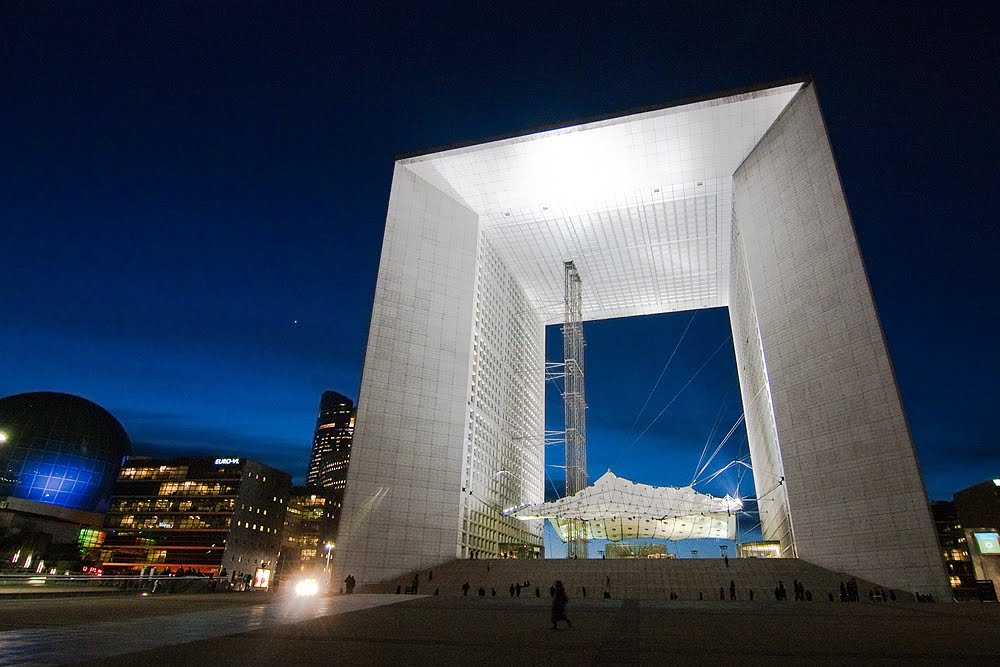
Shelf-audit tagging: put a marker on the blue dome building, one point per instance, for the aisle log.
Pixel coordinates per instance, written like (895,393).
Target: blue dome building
(59,449)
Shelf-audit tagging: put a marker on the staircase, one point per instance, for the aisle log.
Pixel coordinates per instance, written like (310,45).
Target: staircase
(643,579)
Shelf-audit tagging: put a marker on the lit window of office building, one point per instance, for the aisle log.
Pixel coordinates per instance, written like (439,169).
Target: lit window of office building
(954,548)
(201,514)
(331,450)
(309,529)
(979,513)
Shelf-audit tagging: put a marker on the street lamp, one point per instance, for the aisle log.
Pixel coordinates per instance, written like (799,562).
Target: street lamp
(329,551)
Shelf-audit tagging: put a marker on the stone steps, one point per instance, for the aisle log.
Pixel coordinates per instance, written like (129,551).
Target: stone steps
(689,579)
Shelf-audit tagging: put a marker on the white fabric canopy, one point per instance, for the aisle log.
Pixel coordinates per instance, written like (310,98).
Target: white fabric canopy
(614,508)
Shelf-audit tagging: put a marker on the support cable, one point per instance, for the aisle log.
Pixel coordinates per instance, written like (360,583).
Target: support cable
(672,400)
(711,434)
(662,372)
(721,444)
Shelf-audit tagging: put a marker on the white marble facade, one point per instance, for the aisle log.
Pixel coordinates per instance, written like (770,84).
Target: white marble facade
(729,201)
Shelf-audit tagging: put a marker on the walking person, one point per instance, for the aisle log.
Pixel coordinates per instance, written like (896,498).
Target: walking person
(559,600)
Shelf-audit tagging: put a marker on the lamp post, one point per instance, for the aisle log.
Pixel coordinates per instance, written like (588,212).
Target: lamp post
(329,551)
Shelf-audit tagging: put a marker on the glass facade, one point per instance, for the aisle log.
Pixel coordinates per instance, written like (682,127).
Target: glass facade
(59,449)
(309,527)
(198,513)
(954,548)
(331,450)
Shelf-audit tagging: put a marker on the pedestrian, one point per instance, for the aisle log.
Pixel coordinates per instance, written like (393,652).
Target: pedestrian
(482,592)
(512,590)
(465,588)
(782,591)
(732,590)
(751,595)
(843,592)
(722,593)
(493,592)
(538,593)
(852,589)
(725,557)
(430,576)
(517,590)
(559,600)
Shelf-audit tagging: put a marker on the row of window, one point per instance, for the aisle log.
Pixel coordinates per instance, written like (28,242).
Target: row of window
(173,505)
(160,472)
(168,522)
(246,524)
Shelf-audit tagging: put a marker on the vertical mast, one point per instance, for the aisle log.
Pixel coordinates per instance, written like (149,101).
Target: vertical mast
(574,403)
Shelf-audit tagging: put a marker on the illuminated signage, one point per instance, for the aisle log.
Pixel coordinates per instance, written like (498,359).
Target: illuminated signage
(226,462)
(989,543)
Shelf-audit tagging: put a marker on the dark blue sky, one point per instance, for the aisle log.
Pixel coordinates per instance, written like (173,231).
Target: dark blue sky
(181,182)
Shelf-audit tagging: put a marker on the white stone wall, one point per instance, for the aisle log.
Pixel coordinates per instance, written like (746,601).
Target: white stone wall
(504,450)
(450,416)
(768,471)
(855,492)
(401,509)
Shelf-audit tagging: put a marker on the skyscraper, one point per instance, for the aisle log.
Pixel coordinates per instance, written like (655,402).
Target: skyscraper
(331,450)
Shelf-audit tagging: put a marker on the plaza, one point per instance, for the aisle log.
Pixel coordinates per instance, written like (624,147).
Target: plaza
(390,629)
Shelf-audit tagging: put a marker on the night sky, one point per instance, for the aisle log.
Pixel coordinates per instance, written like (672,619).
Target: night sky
(192,199)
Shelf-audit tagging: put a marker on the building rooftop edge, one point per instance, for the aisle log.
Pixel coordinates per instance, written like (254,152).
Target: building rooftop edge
(804,79)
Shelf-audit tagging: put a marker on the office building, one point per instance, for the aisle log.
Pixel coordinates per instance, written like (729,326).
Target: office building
(195,513)
(729,201)
(308,537)
(954,549)
(978,509)
(331,449)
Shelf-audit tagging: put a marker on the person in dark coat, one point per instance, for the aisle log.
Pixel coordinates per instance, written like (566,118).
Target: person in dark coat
(559,600)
